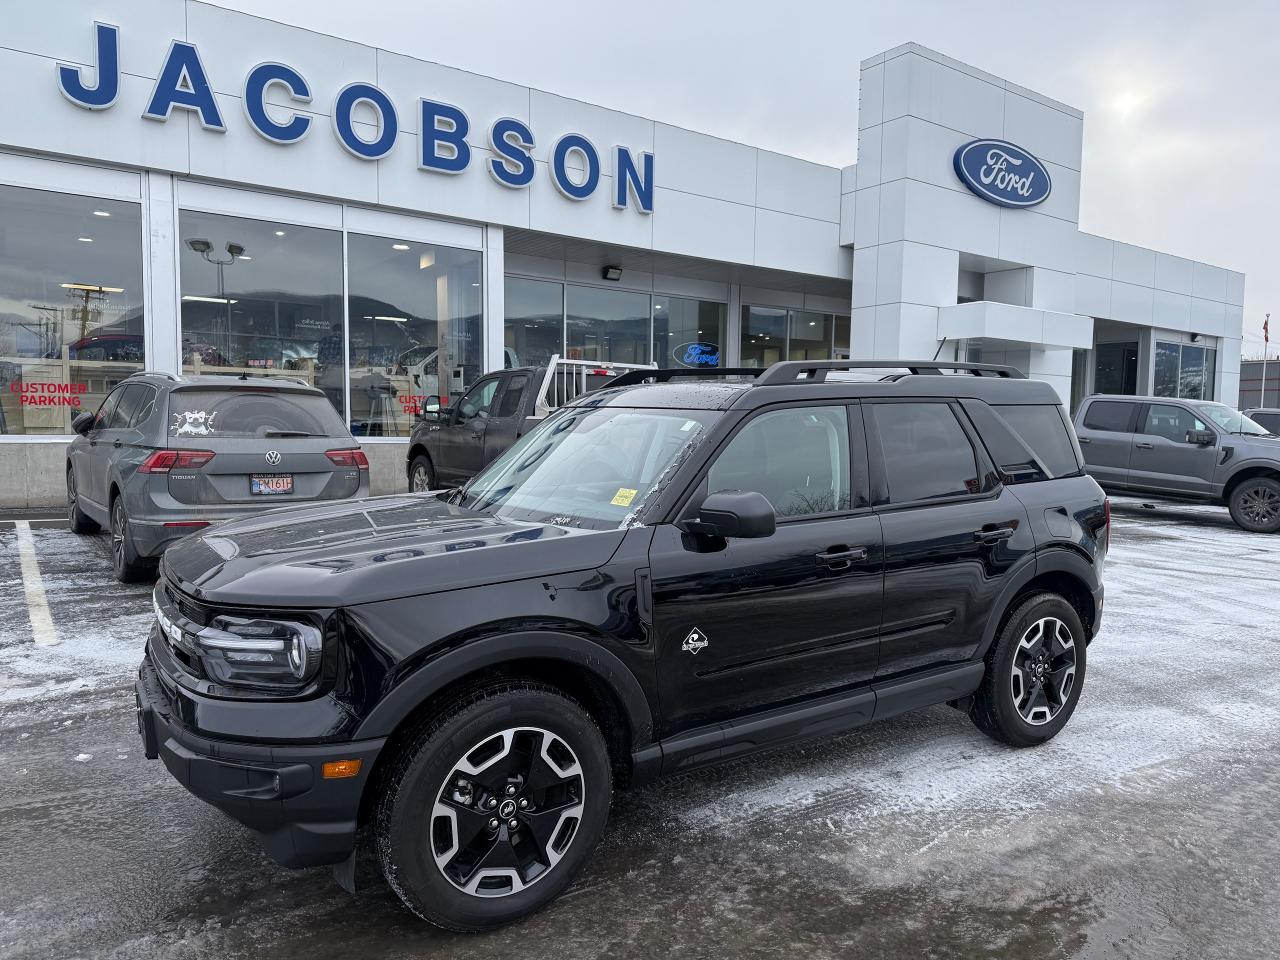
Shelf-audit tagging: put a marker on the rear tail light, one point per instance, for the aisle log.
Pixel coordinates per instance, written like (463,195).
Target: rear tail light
(162,461)
(348,458)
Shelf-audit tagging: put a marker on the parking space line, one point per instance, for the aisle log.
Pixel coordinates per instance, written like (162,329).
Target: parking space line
(33,586)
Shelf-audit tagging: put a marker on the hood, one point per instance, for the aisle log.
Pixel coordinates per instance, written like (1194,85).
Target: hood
(361,551)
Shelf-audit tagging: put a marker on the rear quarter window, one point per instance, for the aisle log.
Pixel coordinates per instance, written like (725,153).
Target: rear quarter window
(1114,416)
(252,412)
(1044,430)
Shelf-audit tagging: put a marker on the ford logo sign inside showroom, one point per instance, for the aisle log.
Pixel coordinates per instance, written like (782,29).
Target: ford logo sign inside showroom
(1003,173)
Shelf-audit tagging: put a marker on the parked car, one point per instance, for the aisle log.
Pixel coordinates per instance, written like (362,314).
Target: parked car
(164,455)
(450,444)
(658,576)
(1266,417)
(1186,449)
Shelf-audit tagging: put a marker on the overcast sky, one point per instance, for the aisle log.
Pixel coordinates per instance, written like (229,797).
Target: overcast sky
(1182,126)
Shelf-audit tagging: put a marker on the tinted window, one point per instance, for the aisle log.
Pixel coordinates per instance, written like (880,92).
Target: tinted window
(146,407)
(1042,428)
(1269,420)
(926,452)
(478,400)
(1170,422)
(512,396)
(1111,415)
(799,460)
(130,402)
(252,412)
(107,409)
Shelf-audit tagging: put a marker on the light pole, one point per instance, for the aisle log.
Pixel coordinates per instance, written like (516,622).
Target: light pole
(234,251)
(1266,342)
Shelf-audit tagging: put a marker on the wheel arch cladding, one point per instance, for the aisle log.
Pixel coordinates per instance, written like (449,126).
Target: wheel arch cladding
(1249,473)
(581,669)
(1059,571)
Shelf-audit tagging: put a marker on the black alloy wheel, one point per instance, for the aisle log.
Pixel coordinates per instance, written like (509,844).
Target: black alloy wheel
(1255,505)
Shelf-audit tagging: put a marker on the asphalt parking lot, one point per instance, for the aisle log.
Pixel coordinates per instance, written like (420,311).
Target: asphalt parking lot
(1146,829)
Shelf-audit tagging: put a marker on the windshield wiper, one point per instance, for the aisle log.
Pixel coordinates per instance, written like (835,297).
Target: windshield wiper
(290,433)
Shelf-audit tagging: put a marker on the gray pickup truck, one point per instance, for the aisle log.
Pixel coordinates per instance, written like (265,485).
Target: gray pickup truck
(452,442)
(1184,449)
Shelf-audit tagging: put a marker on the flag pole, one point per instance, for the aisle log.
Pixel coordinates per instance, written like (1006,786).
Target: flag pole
(1266,341)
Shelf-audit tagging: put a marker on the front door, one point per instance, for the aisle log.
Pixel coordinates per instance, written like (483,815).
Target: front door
(507,418)
(461,437)
(743,625)
(91,465)
(1106,439)
(1162,459)
(951,533)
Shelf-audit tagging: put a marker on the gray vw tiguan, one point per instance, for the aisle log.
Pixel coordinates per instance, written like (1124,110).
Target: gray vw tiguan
(1187,449)
(166,455)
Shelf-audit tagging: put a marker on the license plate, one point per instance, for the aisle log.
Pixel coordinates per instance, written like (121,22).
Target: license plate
(270,484)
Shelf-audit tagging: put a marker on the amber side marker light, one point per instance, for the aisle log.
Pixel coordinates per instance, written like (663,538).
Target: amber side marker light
(341,769)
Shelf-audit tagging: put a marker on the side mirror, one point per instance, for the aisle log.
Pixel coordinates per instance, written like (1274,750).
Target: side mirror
(734,513)
(1201,438)
(82,422)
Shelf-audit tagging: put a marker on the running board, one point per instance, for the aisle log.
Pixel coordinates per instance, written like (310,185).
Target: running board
(828,716)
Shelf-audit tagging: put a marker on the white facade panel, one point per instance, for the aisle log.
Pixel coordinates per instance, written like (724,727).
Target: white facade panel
(1046,131)
(703,227)
(1131,303)
(1132,264)
(1171,310)
(605,128)
(62,30)
(706,166)
(590,219)
(471,195)
(1094,255)
(787,242)
(945,218)
(788,185)
(1036,240)
(1209,282)
(482,99)
(1173,274)
(1235,288)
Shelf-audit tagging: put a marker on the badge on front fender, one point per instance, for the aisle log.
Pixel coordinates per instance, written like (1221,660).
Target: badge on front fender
(695,641)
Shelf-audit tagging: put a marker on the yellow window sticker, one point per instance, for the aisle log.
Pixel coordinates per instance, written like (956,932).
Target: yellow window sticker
(623,497)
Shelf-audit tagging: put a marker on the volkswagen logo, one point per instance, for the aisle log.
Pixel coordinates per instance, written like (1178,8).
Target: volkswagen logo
(273,457)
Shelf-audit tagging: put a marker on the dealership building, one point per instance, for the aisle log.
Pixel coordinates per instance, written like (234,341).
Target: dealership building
(185,188)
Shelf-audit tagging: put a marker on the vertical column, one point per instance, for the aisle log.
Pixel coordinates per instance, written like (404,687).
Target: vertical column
(732,348)
(1052,365)
(163,318)
(494,302)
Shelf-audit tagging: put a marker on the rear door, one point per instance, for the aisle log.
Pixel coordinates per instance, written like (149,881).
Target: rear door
(257,445)
(458,446)
(1105,432)
(952,532)
(1162,458)
(507,417)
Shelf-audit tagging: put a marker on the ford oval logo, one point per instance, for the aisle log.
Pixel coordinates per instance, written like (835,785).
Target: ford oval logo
(697,354)
(1003,173)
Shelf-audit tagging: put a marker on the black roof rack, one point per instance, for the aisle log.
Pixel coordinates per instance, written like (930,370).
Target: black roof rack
(632,377)
(154,373)
(815,371)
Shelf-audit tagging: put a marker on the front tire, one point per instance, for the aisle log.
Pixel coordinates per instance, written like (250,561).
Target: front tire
(1255,505)
(76,518)
(129,567)
(421,477)
(493,806)
(1035,672)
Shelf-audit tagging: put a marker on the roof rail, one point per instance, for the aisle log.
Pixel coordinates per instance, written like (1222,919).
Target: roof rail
(815,371)
(154,373)
(632,377)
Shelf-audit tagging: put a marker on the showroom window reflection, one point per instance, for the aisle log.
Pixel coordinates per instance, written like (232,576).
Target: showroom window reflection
(262,298)
(415,330)
(1185,370)
(770,334)
(71,305)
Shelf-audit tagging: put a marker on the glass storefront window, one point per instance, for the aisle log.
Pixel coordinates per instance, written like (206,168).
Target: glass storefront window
(71,317)
(261,298)
(1185,370)
(842,345)
(688,333)
(534,325)
(809,336)
(764,336)
(604,325)
(414,329)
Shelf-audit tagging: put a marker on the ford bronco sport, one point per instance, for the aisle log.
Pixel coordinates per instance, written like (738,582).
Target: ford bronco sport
(681,568)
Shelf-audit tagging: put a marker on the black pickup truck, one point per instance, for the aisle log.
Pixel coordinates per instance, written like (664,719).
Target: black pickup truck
(450,444)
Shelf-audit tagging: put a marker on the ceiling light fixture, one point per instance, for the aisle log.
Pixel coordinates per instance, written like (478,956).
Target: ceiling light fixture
(92,288)
(101,213)
(191,297)
(394,319)
(279,233)
(399,246)
(85,239)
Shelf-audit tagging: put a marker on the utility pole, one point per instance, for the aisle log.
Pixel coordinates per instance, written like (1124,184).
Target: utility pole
(1266,341)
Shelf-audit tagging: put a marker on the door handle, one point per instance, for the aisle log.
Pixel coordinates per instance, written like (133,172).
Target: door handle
(116,444)
(995,532)
(1084,440)
(1145,446)
(842,557)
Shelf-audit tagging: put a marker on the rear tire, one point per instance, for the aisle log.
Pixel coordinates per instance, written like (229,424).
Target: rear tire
(1035,672)
(78,522)
(517,753)
(421,477)
(1255,505)
(128,565)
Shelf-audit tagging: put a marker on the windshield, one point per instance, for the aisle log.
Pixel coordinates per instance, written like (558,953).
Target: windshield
(1230,420)
(588,467)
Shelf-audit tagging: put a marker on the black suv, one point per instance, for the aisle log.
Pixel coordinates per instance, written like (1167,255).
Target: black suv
(660,575)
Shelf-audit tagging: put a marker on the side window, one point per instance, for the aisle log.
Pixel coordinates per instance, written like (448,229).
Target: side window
(128,406)
(146,406)
(926,452)
(478,399)
(1268,421)
(1110,415)
(798,458)
(105,412)
(1042,428)
(1170,422)
(512,396)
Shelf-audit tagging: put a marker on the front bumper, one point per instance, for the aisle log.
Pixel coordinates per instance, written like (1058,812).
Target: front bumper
(279,792)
